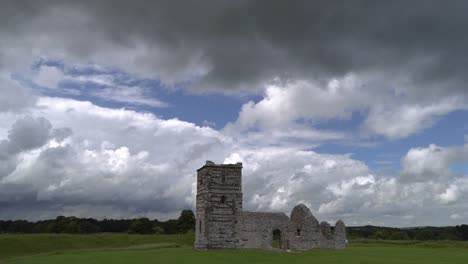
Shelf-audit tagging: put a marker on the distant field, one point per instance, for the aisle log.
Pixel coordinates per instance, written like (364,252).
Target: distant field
(121,248)
(24,245)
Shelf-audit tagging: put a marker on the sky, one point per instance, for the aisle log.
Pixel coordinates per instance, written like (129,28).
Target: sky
(357,109)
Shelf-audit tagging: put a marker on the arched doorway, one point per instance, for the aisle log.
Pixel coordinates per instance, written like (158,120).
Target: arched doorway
(276,241)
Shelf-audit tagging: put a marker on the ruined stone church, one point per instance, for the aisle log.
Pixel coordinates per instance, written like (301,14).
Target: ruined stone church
(222,224)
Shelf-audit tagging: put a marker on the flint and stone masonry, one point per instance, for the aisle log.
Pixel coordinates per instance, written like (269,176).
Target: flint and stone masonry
(221,223)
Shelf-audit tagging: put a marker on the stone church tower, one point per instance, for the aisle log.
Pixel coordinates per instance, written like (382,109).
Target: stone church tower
(218,205)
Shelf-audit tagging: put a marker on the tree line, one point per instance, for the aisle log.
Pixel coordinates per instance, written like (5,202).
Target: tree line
(74,225)
(186,223)
(459,232)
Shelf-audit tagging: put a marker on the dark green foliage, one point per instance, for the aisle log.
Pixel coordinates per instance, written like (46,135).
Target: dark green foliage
(141,226)
(170,227)
(399,235)
(74,225)
(186,221)
(462,232)
(115,226)
(425,234)
(414,233)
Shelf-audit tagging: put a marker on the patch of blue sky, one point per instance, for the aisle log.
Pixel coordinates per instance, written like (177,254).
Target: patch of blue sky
(80,83)
(460,168)
(218,109)
(386,154)
(199,109)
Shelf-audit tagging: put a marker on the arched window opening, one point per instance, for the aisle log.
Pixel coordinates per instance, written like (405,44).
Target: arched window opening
(276,242)
(199,226)
(298,232)
(223,199)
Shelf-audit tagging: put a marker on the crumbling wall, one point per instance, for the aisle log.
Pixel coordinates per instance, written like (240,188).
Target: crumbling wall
(340,236)
(304,231)
(255,230)
(301,232)
(329,241)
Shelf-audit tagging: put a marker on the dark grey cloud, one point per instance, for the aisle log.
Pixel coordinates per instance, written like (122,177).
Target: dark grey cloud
(248,42)
(243,44)
(13,194)
(26,134)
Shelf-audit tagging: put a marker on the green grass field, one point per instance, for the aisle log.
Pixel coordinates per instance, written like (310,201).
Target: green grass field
(121,248)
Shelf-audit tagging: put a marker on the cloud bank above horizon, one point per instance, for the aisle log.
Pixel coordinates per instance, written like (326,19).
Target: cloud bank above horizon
(358,110)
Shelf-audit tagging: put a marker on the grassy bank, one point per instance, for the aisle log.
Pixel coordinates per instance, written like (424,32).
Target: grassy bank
(382,254)
(23,245)
(141,249)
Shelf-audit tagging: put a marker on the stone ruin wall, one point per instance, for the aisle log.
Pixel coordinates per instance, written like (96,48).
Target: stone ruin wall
(255,230)
(222,224)
(301,232)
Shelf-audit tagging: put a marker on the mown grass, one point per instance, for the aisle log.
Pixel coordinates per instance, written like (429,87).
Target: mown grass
(412,243)
(14,245)
(177,249)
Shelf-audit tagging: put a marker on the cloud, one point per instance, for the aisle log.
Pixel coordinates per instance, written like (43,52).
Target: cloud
(136,170)
(146,166)
(128,95)
(291,176)
(450,195)
(385,114)
(329,65)
(337,186)
(283,103)
(224,50)
(401,121)
(432,163)
(208,123)
(13,97)
(71,164)
(455,216)
(26,134)
(99,84)
(49,77)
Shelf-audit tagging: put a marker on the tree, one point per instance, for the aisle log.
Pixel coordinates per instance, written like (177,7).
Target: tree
(72,228)
(379,235)
(141,226)
(399,235)
(88,226)
(158,229)
(170,227)
(186,221)
(424,234)
(462,232)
